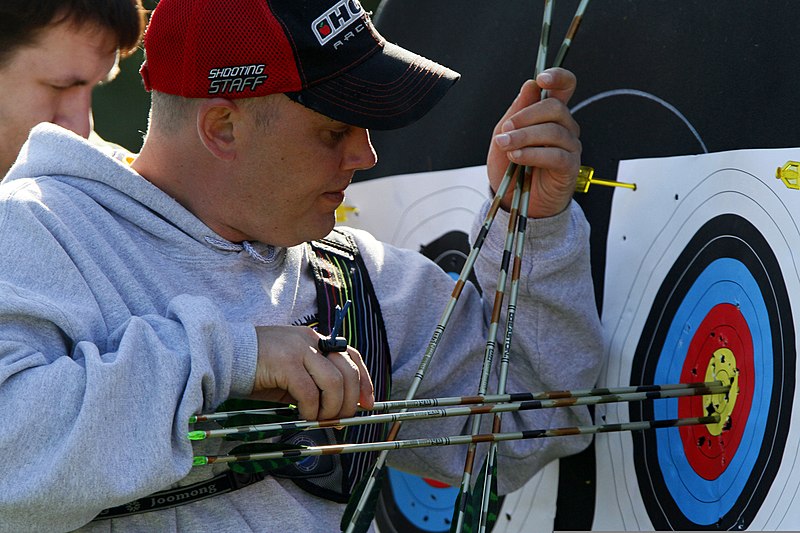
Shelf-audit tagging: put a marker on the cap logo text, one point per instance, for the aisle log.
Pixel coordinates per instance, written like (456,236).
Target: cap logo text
(236,79)
(336,19)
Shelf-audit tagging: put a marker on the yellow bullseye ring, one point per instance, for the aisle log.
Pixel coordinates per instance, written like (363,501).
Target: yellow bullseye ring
(721,367)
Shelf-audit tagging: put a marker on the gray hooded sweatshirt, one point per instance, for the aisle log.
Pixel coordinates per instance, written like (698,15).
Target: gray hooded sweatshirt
(123,314)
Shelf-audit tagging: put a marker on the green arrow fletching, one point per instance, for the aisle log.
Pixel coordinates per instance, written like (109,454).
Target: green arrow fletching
(368,513)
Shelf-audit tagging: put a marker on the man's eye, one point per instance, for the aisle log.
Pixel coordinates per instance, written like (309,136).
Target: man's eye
(338,135)
(63,86)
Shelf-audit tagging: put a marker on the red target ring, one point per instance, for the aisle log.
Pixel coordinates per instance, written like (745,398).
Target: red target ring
(721,349)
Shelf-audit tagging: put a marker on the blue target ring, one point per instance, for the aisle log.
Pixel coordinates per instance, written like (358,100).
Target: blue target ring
(410,504)
(728,262)
(428,508)
(725,280)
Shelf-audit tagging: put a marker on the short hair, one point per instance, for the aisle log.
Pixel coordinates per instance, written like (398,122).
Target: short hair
(21,21)
(169,112)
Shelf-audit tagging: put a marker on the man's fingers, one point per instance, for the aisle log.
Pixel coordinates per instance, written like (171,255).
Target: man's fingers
(549,134)
(558,82)
(323,386)
(326,371)
(357,385)
(529,94)
(548,111)
(343,381)
(305,394)
(366,396)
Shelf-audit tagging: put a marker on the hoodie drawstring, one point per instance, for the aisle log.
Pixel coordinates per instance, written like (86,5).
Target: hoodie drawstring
(246,246)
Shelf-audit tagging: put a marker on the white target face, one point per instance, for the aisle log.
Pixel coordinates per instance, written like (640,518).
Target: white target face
(702,280)
(414,210)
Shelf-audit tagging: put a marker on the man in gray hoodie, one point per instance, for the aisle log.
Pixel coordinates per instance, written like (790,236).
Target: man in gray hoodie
(137,293)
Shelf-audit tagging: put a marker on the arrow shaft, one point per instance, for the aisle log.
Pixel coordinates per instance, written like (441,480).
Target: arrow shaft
(519,246)
(394,405)
(458,440)
(476,410)
(491,339)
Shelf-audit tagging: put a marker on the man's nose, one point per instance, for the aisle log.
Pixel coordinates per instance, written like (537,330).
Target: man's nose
(360,155)
(74,111)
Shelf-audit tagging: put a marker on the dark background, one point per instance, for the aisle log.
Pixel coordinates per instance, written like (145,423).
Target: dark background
(729,68)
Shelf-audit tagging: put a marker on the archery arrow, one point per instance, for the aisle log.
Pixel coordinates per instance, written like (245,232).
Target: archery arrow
(573,29)
(273,429)
(281,410)
(272,456)
(393,405)
(487,482)
(295,453)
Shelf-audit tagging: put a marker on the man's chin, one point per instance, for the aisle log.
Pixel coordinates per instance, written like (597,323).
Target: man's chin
(317,232)
(326,229)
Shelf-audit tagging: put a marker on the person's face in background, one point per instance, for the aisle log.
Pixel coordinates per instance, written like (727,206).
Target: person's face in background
(51,80)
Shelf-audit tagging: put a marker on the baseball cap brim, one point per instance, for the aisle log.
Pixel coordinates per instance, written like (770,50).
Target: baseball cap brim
(390,89)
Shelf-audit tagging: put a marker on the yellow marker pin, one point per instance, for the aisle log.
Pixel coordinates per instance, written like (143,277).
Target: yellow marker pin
(586,179)
(344,211)
(789,174)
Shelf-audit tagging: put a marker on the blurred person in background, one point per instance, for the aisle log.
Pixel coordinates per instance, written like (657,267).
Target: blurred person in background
(52,55)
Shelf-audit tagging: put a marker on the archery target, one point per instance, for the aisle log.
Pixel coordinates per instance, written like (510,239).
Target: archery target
(701,282)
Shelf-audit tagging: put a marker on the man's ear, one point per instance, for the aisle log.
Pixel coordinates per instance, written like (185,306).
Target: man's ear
(216,119)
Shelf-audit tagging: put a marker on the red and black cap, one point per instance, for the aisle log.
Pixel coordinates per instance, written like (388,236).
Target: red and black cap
(324,54)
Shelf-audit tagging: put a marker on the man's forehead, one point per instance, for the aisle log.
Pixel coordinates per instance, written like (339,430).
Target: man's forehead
(74,53)
(318,118)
